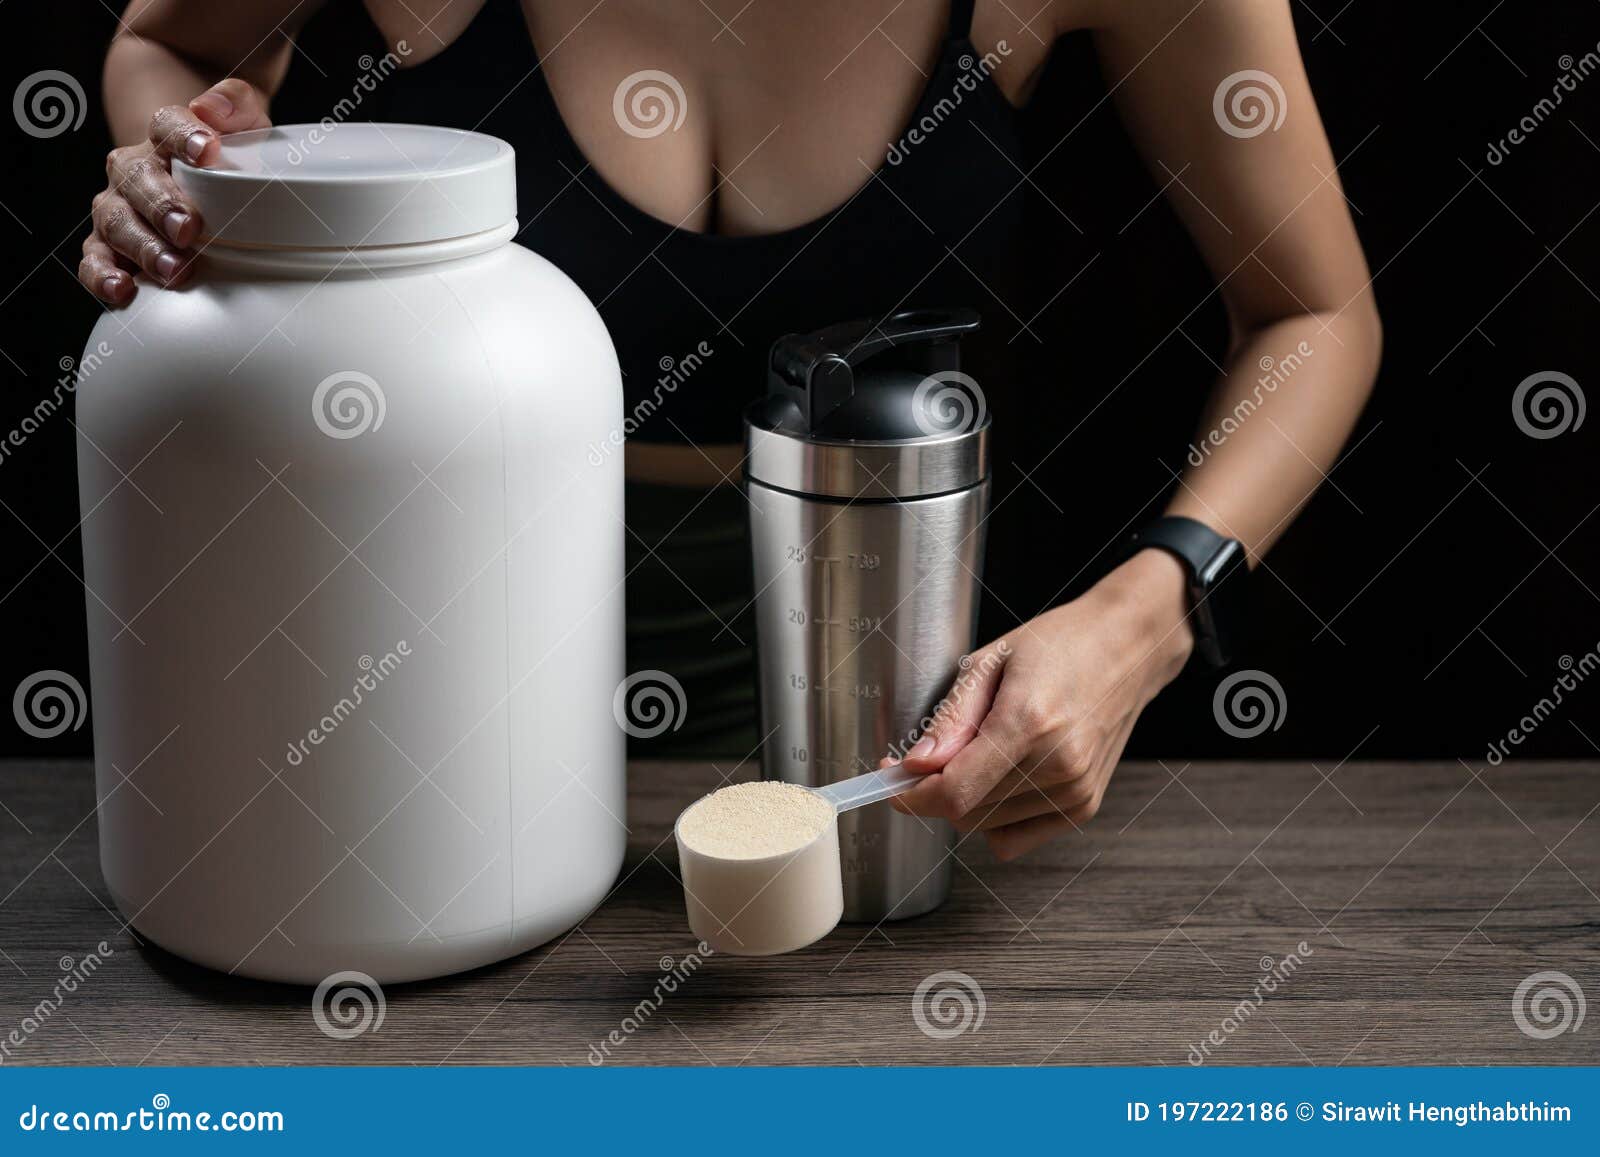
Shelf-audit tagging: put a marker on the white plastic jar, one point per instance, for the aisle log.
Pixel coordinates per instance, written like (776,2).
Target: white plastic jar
(355,586)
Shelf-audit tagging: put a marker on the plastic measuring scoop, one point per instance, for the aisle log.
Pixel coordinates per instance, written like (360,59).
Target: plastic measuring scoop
(859,791)
(771,904)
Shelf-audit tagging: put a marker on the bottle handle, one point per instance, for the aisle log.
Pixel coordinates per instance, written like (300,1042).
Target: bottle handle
(816,371)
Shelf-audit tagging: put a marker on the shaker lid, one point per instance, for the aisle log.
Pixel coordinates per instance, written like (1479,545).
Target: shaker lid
(353,185)
(871,411)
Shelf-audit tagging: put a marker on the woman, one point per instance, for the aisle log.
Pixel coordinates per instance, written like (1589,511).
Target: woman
(716,175)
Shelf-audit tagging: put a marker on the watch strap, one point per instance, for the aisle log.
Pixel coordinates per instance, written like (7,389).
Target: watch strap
(1198,548)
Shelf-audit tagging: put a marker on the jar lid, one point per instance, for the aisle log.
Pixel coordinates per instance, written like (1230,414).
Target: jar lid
(353,185)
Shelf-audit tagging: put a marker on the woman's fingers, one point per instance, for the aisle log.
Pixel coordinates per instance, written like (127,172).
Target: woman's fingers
(142,220)
(1024,804)
(177,132)
(143,179)
(971,773)
(102,274)
(1027,819)
(232,106)
(960,713)
(1043,769)
(1019,839)
(957,727)
(1062,757)
(194,131)
(124,230)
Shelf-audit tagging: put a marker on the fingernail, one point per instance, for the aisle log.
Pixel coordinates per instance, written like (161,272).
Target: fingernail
(196,144)
(213,101)
(114,284)
(167,266)
(922,748)
(173,223)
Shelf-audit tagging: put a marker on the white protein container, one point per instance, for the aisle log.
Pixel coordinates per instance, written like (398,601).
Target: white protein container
(355,587)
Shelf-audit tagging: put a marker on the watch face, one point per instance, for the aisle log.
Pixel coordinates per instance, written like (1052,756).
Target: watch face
(1222,598)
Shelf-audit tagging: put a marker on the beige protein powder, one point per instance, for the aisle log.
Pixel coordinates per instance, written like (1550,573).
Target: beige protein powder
(760,864)
(746,821)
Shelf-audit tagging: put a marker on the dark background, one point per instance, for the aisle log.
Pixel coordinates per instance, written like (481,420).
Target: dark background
(1410,611)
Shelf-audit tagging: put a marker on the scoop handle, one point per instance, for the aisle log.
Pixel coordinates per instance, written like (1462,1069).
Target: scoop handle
(848,794)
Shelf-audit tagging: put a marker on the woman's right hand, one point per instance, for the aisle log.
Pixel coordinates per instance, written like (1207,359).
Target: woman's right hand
(142,222)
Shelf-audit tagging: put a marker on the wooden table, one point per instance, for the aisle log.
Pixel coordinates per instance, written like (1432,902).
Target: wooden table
(1424,894)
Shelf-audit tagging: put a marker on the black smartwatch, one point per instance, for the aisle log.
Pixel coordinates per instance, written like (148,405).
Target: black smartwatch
(1218,576)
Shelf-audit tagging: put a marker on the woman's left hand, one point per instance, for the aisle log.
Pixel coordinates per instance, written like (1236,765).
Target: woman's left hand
(1025,743)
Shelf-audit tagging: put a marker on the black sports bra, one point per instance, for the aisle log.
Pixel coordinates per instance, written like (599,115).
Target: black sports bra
(693,314)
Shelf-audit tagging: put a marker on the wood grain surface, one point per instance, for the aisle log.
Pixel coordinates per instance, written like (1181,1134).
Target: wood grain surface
(1425,893)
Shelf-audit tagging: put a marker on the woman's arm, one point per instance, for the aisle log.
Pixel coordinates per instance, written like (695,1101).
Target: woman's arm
(1266,209)
(178,74)
(1027,752)
(169,51)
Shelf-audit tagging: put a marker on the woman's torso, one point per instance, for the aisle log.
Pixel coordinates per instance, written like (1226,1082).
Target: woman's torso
(792,168)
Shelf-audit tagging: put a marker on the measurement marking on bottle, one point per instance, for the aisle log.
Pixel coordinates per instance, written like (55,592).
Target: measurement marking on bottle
(825,653)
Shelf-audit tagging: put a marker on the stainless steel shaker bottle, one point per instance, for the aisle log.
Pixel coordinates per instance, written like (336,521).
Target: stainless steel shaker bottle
(867,471)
